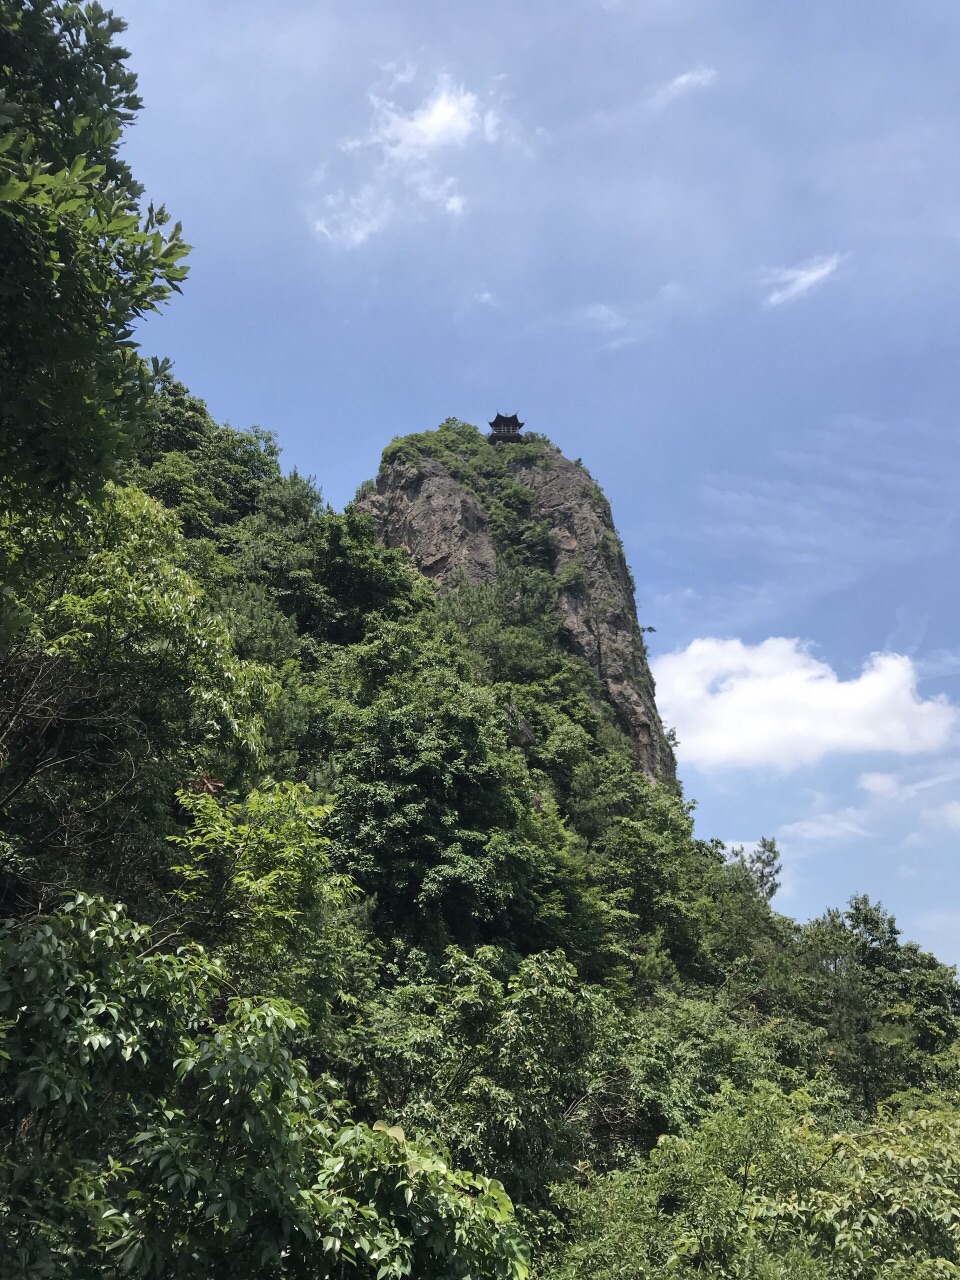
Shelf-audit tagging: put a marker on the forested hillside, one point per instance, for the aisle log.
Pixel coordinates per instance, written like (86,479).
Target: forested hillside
(356,923)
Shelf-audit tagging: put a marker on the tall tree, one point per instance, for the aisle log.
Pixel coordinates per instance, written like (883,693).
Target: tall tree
(81,259)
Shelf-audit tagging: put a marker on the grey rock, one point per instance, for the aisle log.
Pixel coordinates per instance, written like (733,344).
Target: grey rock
(441,524)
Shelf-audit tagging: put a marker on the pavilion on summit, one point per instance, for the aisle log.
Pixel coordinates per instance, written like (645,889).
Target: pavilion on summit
(504,428)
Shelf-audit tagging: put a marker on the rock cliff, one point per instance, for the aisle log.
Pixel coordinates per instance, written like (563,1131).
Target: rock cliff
(442,496)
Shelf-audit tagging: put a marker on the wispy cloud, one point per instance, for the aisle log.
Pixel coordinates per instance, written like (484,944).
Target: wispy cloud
(884,785)
(941,662)
(404,157)
(946,923)
(623,325)
(600,317)
(838,825)
(892,810)
(679,86)
(793,282)
(397,73)
(824,509)
(351,219)
(945,815)
(888,786)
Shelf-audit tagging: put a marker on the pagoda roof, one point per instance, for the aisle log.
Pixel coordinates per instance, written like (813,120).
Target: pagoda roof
(506,425)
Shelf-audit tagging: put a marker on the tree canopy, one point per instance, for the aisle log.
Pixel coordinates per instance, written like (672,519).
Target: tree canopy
(80,258)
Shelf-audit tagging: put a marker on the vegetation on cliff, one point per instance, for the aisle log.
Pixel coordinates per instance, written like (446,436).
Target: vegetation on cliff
(349,931)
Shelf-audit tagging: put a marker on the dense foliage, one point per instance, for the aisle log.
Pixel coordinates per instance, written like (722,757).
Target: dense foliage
(321,886)
(80,259)
(155,1134)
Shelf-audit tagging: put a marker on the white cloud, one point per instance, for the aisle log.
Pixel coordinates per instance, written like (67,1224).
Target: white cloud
(793,282)
(410,151)
(688,82)
(450,117)
(775,705)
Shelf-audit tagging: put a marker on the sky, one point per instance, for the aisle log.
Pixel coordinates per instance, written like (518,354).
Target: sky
(711,249)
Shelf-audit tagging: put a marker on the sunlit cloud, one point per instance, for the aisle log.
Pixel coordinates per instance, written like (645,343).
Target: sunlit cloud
(450,117)
(406,157)
(774,705)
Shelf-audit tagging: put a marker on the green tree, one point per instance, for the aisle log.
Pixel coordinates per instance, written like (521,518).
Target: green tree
(255,885)
(117,690)
(498,1064)
(768,1189)
(153,1128)
(887,1007)
(80,259)
(434,811)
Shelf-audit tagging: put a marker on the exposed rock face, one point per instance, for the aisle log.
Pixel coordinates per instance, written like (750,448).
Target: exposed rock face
(422,506)
(441,523)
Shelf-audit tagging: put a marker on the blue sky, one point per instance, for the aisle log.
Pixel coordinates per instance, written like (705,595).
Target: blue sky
(712,249)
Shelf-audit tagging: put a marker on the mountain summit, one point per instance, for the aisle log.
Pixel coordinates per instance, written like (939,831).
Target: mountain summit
(469,511)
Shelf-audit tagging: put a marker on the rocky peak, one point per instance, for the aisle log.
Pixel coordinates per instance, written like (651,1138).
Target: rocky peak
(440,495)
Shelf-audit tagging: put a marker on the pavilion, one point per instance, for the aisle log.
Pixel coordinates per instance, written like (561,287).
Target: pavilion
(505,428)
